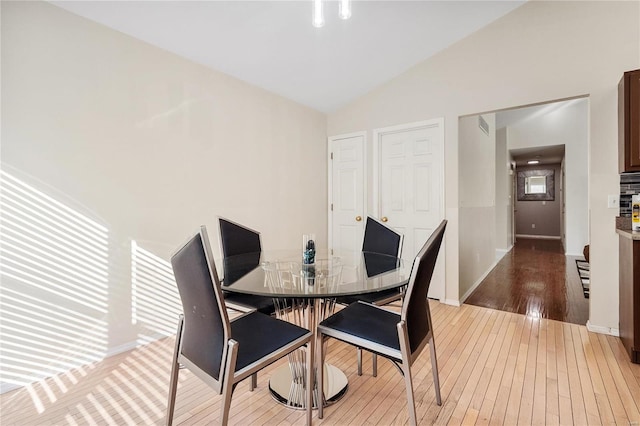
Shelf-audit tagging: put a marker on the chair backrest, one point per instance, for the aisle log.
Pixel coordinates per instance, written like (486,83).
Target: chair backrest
(237,239)
(206,324)
(378,238)
(415,308)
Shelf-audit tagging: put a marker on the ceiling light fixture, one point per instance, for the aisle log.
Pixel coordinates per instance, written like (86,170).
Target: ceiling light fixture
(318,14)
(533,162)
(344,11)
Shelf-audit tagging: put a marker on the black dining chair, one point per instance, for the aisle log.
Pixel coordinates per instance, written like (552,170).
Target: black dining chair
(221,352)
(397,337)
(379,239)
(239,240)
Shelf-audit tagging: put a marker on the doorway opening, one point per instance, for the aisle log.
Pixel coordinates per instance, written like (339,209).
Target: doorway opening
(525,174)
(539,198)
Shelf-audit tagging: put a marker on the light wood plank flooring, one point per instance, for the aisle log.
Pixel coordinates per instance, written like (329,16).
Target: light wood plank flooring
(495,368)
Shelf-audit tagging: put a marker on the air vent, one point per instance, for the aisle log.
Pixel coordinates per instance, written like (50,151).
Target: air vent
(483,124)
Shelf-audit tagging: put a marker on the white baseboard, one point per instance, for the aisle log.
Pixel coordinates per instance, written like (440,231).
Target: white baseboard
(507,250)
(500,253)
(603,330)
(477,283)
(122,348)
(538,237)
(574,254)
(7,387)
(451,302)
(134,344)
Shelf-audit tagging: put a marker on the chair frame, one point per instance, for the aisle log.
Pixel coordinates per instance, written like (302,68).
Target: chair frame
(381,302)
(405,355)
(229,378)
(231,305)
(239,225)
(400,243)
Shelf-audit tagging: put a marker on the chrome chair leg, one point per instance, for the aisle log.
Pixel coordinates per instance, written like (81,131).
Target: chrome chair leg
(406,371)
(374,361)
(175,369)
(227,385)
(359,361)
(310,379)
(320,374)
(434,369)
(411,404)
(254,382)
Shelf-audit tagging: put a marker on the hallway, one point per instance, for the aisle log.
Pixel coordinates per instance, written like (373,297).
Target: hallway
(536,279)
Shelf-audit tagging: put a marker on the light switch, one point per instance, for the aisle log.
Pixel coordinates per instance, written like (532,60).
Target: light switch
(612,201)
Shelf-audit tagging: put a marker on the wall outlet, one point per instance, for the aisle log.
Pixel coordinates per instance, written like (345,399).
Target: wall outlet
(533,226)
(613,201)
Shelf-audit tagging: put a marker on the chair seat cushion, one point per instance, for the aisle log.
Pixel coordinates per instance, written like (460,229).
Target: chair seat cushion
(259,303)
(365,322)
(369,297)
(258,335)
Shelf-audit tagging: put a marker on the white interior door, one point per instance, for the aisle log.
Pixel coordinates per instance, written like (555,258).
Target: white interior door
(346,191)
(409,187)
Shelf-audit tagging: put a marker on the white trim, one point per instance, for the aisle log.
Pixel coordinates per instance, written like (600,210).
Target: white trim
(8,387)
(135,344)
(127,347)
(478,281)
(330,141)
(575,254)
(539,237)
(603,330)
(500,253)
(451,302)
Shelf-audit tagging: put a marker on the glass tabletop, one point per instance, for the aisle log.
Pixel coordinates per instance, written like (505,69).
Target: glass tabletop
(281,274)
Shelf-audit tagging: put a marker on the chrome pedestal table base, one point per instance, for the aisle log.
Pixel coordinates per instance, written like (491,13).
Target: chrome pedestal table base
(287,391)
(287,385)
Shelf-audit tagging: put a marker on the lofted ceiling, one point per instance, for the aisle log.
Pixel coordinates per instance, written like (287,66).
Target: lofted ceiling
(272,44)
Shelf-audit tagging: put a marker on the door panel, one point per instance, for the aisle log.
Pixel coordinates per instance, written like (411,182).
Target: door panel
(346,192)
(409,186)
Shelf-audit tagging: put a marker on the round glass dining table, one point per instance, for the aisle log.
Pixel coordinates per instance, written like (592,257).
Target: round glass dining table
(305,295)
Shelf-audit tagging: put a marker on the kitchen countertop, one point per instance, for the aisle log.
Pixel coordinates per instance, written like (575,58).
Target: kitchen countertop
(628,233)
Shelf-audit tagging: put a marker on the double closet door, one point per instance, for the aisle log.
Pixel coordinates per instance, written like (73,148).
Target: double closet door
(405,188)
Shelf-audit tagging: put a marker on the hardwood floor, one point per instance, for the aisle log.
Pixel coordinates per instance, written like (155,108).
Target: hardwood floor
(495,368)
(535,278)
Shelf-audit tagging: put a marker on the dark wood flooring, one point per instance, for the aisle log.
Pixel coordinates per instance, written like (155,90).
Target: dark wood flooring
(536,279)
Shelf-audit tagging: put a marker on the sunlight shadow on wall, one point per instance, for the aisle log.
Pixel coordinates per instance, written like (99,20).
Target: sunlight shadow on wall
(54,289)
(155,302)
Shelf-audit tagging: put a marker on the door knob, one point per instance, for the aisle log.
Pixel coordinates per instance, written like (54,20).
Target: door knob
(384,219)
(358,218)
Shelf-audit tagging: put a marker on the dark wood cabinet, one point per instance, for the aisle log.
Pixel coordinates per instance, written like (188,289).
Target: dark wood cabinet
(630,294)
(629,122)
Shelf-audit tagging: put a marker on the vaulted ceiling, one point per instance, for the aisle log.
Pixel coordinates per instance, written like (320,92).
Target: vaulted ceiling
(273,45)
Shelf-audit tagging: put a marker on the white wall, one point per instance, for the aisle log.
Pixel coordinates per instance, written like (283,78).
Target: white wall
(477,177)
(541,51)
(113,153)
(568,126)
(504,179)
